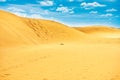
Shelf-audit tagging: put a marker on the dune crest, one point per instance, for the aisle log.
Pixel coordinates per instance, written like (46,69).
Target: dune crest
(18,30)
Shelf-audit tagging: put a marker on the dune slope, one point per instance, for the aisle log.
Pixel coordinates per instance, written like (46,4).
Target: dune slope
(17,30)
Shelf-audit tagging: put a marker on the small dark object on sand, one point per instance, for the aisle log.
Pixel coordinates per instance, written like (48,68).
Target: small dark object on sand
(61,44)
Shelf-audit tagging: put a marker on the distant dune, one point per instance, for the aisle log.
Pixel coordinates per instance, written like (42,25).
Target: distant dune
(100,31)
(95,29)
(37,49)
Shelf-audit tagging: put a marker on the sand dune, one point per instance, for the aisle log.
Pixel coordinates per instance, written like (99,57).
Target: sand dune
(94,29)
(101,34)
(36,49)
(17,30)
(100,31)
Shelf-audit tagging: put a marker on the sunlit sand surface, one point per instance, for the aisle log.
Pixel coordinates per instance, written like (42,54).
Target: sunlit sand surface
(32,49)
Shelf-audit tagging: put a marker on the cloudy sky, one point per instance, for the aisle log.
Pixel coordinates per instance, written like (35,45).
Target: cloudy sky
(70,12)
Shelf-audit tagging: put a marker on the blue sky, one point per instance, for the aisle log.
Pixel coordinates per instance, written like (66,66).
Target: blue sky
(69,12)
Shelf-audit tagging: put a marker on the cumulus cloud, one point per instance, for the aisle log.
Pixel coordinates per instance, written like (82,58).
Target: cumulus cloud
(64,9)
(3,0)
(91,5)
(106,15)
(111,10)
(46,3)
(93,12)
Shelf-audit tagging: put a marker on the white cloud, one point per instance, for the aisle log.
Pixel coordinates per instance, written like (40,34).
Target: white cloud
(93,12)
(106,15)
(111,10)
(28,15)
(35,16)
(75,0)
(15,9)
(18,11)
(71,0)
(46,3)
(28,10)
(91,5)
(3,0)
(20,14)
(64,9)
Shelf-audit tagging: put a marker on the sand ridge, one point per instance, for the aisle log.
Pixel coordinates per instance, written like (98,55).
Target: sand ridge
(18,30)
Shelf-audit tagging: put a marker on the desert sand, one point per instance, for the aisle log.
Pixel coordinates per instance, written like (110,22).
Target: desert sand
(37,49)
(100,31)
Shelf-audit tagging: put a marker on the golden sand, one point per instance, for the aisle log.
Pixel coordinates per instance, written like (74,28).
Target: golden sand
(32,49)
